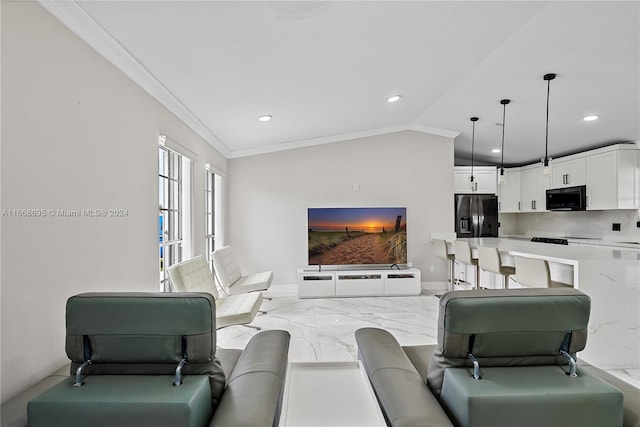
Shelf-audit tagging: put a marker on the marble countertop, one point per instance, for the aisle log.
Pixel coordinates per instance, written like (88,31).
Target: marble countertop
(558,253)
(630,244)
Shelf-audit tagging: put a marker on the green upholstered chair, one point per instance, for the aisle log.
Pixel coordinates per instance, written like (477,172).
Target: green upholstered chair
(139,359)
(150,360)
(509,358)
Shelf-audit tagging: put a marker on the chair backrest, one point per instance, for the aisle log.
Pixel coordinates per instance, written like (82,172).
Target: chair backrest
(514,327)
(227,269)
(533,273)
(489,259)
(144,334)
(463,252)
(193,275)
(442,250)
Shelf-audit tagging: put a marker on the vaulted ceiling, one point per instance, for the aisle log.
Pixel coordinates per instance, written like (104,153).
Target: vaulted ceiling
(324,70)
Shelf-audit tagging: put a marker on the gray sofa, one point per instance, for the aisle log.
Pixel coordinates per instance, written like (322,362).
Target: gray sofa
(409,382)
(135,341)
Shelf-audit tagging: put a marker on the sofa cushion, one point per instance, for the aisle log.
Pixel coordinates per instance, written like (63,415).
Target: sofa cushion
(124,401)
(237,309)
(529,396)
(251,283)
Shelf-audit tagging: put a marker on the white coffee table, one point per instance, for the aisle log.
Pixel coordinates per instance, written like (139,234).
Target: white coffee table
(329,394)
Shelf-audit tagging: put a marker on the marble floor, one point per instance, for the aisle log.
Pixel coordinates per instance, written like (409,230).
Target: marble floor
(323,329)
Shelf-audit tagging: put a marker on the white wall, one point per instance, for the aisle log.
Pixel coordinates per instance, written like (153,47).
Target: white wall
(269,195)
(76,133)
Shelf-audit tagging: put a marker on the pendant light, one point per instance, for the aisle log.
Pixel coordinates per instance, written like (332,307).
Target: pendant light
(473,139)
(504,103)
(545,161)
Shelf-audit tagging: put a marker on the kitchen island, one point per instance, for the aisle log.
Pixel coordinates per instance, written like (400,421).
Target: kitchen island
(611,277)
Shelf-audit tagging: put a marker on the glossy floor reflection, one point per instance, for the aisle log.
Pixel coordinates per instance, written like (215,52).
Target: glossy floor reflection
(323,329)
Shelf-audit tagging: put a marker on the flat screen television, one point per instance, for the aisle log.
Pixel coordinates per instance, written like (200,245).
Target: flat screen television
(357,236)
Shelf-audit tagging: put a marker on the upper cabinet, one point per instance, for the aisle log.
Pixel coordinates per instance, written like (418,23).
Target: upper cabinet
(509,191)
(484,179)
(533,189)
(612,178)
(611,175)
(568,172)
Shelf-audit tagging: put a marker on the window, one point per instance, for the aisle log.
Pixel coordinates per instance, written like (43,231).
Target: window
(212,203)
(174,212)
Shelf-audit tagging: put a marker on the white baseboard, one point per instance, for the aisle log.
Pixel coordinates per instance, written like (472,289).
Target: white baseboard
(434,286)
(282,290)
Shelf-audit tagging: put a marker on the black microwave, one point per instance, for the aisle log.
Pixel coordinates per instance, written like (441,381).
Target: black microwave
(567,199)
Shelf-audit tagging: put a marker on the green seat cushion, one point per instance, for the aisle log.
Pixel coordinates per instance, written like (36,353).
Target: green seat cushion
(124,401)
(529,396)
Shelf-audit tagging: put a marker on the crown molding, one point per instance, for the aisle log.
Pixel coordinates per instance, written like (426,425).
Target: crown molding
(435,131)
(341,137)
(85,27)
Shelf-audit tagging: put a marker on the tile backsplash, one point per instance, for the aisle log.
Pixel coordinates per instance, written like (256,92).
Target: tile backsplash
(589,224)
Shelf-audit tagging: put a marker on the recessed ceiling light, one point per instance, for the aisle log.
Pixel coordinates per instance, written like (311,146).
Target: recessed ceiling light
(264,118)
(590,118)
(495,150)
(394,98)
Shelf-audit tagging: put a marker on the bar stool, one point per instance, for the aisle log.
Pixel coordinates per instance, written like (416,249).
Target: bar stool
(489,260)
(442,251)
(535,273)
(464,255)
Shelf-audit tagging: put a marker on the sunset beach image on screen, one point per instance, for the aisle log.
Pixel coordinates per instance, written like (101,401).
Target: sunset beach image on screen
(357,236)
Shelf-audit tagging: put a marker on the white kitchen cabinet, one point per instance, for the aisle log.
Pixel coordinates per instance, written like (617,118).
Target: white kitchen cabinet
(568,172)
(509,191)
(612,178)
(485,179)
(533,187)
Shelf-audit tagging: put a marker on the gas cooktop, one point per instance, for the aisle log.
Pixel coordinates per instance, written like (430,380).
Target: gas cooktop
(554,240)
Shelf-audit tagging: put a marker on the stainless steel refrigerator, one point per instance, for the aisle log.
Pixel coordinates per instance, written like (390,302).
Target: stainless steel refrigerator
(476,215)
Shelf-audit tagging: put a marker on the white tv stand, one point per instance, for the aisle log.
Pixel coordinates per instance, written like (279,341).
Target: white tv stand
(315,283)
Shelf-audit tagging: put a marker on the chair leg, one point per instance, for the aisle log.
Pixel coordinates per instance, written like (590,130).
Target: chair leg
(506,281)
(262,312)
(452,277)
(253,327)
(477,278)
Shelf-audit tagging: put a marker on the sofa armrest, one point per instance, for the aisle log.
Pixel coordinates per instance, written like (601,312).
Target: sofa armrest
(402,393)
(254,390)
(631,394)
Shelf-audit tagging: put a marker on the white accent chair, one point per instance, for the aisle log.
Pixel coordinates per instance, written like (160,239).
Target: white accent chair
(535,273)
(194,275)
(489,260)
(230,277)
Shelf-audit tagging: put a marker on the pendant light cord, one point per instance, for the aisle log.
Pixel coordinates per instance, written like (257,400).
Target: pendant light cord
(473,140)
(504,110)
(546,136)
(548,78)
(504,103)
